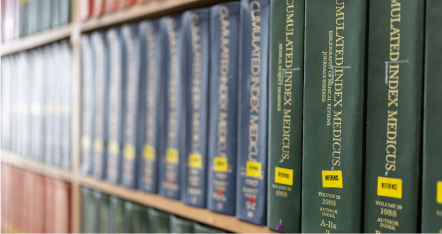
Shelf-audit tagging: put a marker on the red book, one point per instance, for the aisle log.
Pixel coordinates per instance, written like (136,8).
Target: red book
(49,205)
(6,190)
(84,9)
(121,4)
(62,204)
(39,204)
(109,6)
(26,225)
(97,8)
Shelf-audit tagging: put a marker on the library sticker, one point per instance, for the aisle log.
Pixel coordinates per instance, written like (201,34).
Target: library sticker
(332,179)
(390,187)
(283,176)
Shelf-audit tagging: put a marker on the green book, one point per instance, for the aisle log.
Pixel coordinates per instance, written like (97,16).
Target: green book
(116,214)
(394,110)
(23,17)
(128,217)
(87,212)
(32,17)
(432,132)
(96,219)
(45,14)
(104,213)
(64,12)
(178,225)
(198,228)
(285,125)
(334,110)
(158,221)
(139,219)
(55,17)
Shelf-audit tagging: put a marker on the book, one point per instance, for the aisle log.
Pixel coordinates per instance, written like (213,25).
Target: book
(23,22)
(109,6)
(286,82)
(115,106)
(61,205)
(32,17)
(333,139)
(97,7)
(158,221)
(65,106)
(222,139)
(178,225)
(96,219)
(140,219)
(116,215)
(128,217)
(49,105)
(198,228)
(64,12)
(100,104)
(195,69)
(87,210)
(394,122)
(251,190)
(87,103)
(174,110)
(56,104)
(431,220)
(151,104)
(84,9)
(6,97)
(103,206)
(45,15)
(55,16)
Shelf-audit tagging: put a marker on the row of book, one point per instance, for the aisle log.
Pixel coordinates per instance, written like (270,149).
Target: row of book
(25,17)
(103,213)
(32,203)
(242,108)
(35,106)
(96,8)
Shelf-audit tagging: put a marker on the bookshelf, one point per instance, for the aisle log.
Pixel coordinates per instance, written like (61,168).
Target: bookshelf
(73,32)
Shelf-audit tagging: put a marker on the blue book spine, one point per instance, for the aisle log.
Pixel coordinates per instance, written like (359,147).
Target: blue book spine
(56,89)
(223,121)
(131,154)
(151,104)
(195,25)
(100,105)
(65,106)
(7,87)
(174,109)
(87,113)
(116,106)
(49,106)
(251,203)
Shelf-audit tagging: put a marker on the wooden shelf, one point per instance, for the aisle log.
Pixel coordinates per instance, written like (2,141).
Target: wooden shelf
(224,222)
(34,166)
(35,40)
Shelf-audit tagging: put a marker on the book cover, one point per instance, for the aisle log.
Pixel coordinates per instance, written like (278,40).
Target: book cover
(140,219)
(49,105)
(158,221)
(432,129)
(103,205)
(394,116)
(178,225)
(251,190)
(45,14)
(96,219)
(195,70)
(55,17)
(56,104)
(174,109)
(223,117)
(286,83)
(64,12)
(115,106)
(87,104)
(151,103)
(116,215)
(32,16)
(86,209)
(128,218)
(334,123)
(65,105)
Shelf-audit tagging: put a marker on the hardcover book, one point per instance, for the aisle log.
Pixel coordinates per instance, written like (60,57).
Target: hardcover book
(333,140)
(103,206)
(55,17)
(116,215)
(49,106)
(45,14)
(96,219)
(37,97)
(178,225)
(87,210)
(64,12)
(139,219)
(65,105)
(195,69)
(394,110)
(128,218)
(223,117)
(6,95)
(158,221)
(198,228)
(56,93)
(251,190)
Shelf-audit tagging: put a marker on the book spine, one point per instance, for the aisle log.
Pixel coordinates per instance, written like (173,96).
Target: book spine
(65,108)
(22,18)
(109,6)
(158,221)
(196,75)
(223,118)
(151,104)
(174,111)
(393,145)
(131,150)
(97,7)
(334,121)
(45,16)
(55,17)
(432,129)
(32,16)
(178,225)
(65,11)
(48,107)
(56,71)
(116,215)
(95,211)
(116,106)
(104,213)
(6,102)
(286,82)
(251,192)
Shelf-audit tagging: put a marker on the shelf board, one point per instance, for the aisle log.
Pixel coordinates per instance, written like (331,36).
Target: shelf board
(35,40)
(34,166)
(176,207)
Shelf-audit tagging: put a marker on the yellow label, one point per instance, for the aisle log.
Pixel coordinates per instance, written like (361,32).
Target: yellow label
(332,179)
(253,169)
(390,187)
(98,145)
(113,147)
(283,176)
(129,152)
(439,192)
(195,161)
(172,156)
(220,164)
(149,152)
(85,142)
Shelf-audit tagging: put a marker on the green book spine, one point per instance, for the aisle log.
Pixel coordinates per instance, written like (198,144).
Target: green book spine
(158,221)
(432,175)
(198,228)
(394,109)
(23,18)
(128,217)
(45,14)
(32,17)
(178,225)
(285,125)
(87,212)
(116,215)
(64,12)
(334,99)
(55,17)
(139,219)
(104,213)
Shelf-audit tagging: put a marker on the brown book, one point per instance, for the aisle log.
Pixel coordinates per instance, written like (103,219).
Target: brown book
(49,205)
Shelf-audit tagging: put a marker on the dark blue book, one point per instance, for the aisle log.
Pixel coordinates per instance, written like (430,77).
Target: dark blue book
(151,104)
(65,95)
(87,104)
(195,25)
(174,114)
(251,203)
(223,118)
(116,106)
(100,104)
(131,150)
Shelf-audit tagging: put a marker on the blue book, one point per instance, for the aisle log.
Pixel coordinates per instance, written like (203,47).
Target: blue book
(251,203)
(131,155)
(151,104)
(65,110)
(56,93)
(100,104)
(223,118)
(49,105)
(174,114)
(116,106)
(195,69)
(87,104)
